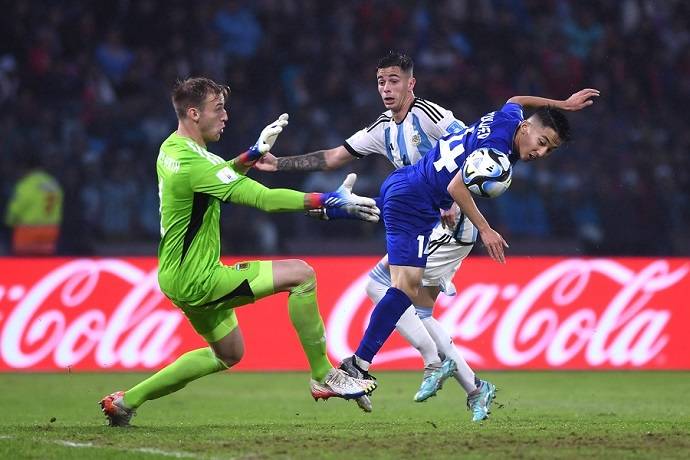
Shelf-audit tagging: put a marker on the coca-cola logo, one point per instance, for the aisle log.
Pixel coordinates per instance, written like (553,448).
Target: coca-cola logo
(548,318)
(532,313)
(62,316)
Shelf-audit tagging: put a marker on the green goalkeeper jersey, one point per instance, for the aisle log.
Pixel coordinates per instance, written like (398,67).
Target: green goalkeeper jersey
(191,184)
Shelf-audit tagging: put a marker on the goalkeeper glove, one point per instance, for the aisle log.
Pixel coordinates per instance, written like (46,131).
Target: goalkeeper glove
(266,139)
(343,197)
(355,212)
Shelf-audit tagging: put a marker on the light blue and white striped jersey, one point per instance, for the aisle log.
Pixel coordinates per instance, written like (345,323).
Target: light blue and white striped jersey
(407,142)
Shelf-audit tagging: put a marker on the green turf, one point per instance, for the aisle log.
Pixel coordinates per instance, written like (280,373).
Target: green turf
(271,415)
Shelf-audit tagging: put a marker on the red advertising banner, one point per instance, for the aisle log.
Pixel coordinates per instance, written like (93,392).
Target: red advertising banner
(532,313)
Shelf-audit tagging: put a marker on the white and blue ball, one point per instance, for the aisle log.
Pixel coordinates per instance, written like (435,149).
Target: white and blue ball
(487,172)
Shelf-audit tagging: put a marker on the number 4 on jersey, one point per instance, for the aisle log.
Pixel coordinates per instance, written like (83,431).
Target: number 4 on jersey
(450,148)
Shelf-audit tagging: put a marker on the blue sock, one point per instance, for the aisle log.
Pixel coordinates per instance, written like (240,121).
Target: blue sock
(382,322)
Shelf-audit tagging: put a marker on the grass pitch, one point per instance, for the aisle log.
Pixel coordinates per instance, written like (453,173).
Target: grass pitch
(271,415)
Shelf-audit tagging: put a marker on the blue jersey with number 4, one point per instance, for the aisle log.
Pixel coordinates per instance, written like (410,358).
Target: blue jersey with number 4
(440,165)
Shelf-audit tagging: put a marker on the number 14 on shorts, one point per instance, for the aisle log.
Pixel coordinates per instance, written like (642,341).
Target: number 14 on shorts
(422,247)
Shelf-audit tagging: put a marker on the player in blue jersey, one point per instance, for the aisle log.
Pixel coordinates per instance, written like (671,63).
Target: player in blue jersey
(404,133)
(412,196)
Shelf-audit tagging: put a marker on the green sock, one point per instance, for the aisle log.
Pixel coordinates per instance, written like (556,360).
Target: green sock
(175,376)
(305,317)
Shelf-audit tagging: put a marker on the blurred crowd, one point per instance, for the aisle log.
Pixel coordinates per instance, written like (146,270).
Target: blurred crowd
(84,86)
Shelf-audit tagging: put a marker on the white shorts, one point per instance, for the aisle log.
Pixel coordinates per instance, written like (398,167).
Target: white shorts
(447,250)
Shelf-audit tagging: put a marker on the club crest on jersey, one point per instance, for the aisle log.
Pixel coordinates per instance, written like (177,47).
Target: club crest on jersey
(416,139)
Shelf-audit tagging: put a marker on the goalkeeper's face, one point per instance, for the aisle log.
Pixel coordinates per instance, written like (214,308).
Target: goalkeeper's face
(212,117)
(395,87)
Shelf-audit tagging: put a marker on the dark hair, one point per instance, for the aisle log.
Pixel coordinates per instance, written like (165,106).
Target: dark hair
(556,120)
(192,92)
(396,59)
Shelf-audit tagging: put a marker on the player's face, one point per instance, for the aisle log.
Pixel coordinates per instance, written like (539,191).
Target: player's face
(395,87)
(212,117)
(535,141)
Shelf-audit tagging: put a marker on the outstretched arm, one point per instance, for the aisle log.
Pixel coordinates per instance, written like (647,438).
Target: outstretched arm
(256,195)
(319,160)
(577,101)
(349,212)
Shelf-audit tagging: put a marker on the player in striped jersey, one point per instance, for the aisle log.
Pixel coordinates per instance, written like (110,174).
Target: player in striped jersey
(407,135)
(404,133)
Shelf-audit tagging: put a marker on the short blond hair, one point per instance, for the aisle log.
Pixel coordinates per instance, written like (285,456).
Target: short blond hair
(192,92)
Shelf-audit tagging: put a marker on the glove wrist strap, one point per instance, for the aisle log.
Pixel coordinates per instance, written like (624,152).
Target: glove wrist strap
(249,157)
(314,200)
(253,154)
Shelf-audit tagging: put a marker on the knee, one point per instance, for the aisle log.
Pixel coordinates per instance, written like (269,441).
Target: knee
(230,357)
(372,289)
(412,292)
(409,289)
(302,272)
(375,290)
(292,273)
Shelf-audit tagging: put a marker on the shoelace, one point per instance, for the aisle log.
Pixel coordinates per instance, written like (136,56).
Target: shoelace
(339,378)
(430,369)
(336,378)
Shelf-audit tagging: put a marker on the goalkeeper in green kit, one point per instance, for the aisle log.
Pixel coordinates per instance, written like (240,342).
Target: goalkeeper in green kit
(192,182)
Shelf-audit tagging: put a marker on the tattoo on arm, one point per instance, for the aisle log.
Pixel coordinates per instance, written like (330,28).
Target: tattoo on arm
(314,161)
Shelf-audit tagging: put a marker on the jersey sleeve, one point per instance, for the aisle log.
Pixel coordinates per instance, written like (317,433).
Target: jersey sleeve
(368,140)
(449,124)
(501,138)
(513,110)
(214,177)
(252,193)
(500,132)
(223,182)
(435,120)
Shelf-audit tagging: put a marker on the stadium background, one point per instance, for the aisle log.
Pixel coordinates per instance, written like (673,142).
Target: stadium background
(84,86)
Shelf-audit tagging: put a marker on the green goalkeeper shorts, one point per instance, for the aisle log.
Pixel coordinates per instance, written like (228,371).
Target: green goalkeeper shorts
(213,317)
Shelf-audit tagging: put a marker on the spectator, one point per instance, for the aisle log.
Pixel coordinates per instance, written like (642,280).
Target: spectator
(239,29)
(34,211)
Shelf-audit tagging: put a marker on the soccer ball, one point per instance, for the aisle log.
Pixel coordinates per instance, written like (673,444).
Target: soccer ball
(487,172)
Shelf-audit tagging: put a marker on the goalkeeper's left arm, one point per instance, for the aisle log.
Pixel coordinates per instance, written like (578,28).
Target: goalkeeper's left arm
(251,193)
(348,212)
